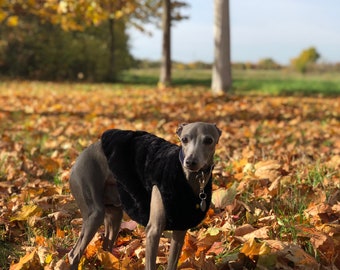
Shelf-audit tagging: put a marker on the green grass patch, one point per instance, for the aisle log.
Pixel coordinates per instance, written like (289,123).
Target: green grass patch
(272,82)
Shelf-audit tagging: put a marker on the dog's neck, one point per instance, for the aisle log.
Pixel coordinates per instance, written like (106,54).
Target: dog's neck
(198,180)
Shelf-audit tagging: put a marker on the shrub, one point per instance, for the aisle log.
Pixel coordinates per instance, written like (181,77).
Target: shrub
(306,57)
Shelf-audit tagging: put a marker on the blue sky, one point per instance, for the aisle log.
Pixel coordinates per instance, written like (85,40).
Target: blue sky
(279,29)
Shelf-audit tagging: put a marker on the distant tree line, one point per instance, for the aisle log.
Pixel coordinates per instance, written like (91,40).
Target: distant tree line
(306,61)
(44,51)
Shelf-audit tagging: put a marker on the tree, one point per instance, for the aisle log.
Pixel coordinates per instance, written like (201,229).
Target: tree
(165,76)
(306,57)
(78,15)
(170,13)
(35,50)
(111,11)
(221,72)
(267,63)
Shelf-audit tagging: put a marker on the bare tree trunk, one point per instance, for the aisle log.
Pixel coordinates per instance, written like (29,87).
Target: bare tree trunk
(221,72)
(112,71)
(165,76)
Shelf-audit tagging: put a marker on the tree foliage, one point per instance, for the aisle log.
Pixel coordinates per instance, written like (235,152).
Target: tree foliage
(268,64)
(44,51)
(306,57)
(76,15)
(61,39)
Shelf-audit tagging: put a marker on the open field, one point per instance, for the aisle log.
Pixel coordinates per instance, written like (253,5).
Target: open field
(272,82)
(276,179)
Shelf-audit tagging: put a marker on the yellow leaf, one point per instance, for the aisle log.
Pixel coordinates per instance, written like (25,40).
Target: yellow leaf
(48,258)
(13,21)
(3,15)
(118,14)
(213,231)
(27,211)
(108,260)
(254,247)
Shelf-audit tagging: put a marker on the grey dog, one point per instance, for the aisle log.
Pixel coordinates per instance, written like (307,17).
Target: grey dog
(160,185)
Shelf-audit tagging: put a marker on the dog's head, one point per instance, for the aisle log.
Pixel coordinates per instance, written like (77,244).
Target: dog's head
(198,144)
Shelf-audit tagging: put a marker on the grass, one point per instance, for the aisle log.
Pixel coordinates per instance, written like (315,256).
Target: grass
(271,82)
(8,251)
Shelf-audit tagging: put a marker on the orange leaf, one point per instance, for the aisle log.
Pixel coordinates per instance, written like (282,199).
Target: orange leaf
(60,233)
(40,240)
(29,261)
(189,248)
(254,247)
(108,260)
(91,251)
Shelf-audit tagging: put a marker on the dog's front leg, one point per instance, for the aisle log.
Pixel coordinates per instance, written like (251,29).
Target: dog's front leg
(177,241)
(154,228)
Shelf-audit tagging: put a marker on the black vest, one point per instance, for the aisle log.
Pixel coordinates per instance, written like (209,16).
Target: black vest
(139,160)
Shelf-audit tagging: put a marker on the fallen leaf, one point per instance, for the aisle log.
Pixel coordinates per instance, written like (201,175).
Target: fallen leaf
(223,197)
(216,248)
(244,229)
(294,255)
(108,260)
(130,225)
(26,212)
(254,247)
(29,261)
(268,169)
(261,233)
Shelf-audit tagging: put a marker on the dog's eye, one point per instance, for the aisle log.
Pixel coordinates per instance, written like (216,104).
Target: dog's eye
(208,140)
(185,140)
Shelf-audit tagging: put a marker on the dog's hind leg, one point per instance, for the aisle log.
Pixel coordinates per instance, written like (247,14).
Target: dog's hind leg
(113,212)
(92,219)
(87,183)
(112,221)
(90,227)
(177,241)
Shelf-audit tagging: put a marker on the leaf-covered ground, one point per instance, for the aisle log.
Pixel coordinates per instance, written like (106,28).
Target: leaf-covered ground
(276,180)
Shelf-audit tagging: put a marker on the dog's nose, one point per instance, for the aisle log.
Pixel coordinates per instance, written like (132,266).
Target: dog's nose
(190,163)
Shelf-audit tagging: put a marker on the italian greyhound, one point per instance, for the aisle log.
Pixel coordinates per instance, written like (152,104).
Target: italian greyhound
(149,178)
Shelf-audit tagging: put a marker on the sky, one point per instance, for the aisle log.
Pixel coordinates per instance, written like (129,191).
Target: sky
(277,29)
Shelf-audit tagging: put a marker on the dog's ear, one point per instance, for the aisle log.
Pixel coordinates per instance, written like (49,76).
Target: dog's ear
(180,128)
(219,132)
